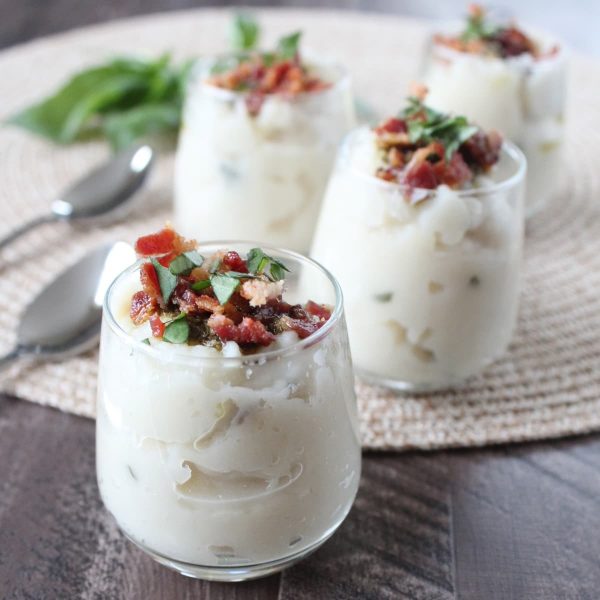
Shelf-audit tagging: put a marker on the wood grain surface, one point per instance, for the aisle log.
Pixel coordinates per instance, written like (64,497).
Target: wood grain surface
(518,522)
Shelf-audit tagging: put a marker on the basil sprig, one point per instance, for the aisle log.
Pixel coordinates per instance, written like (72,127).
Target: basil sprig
(426,125)
(478,28)
(122,100)
(184,263)
(287,46)
(245,32)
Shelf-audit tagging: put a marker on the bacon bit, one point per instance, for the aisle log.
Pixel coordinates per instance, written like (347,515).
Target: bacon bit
(149,280)
(513,42)
(421,175)
(142,307)
(481,149)
(392,125)
(164,241)
(191,303)
(317,310)
(161,242)
(157,326)
(232,261)
(455,172)
(248,331)
(258,292)
(198,274)
(302,328)
(387,174)
(165,260)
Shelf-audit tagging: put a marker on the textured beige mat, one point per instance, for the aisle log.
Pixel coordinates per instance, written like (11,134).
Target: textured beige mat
(549,383)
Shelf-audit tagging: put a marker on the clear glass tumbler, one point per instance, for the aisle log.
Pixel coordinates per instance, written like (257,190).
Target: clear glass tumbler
(431,287)
(522,97)
(223,467)
(258,177)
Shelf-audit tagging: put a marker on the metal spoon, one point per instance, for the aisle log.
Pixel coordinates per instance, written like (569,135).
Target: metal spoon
(106,191)
(64,319)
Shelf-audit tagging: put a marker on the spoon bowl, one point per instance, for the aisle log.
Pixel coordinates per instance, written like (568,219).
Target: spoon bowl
(64,319)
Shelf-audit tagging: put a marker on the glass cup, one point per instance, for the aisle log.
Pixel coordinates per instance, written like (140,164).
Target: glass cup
(228,467)
(431,287)
(522,97)
(258,177)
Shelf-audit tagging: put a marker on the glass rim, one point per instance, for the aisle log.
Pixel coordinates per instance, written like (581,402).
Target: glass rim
(508,148)
(343,79)
(260,356)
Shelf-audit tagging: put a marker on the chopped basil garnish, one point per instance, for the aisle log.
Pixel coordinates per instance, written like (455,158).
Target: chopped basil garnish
(146,341)
(166,280)
(450,130)
(223,286)
(478,28)
(245,32)
(177,331)
(287,46)
(258,262)
(198,286)
(184,263)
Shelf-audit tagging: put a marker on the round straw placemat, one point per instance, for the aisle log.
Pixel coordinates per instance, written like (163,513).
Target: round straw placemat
(548,385)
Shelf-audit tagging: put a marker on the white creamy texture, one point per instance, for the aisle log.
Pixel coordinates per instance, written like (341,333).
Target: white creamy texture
(521,97)
(228,463)
(431,289)
(259,178)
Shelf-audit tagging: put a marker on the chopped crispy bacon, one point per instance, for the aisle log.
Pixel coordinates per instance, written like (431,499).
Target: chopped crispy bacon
(157,326)
(161,242)
(164,241)
(513,42)
(142,307)
(232,261)
(247,332)
(317,310)
(421,175)
(392,125)
(481,149)
(149,280)
(258,79)
(455,172)
(191,303)
(303,328)
(165,260)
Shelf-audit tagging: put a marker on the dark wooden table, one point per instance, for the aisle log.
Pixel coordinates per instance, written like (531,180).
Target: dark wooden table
(519,522)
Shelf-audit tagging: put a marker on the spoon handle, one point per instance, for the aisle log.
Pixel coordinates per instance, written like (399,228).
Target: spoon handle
(9,359)
(19,231)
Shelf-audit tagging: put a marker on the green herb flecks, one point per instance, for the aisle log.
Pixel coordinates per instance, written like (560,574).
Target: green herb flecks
(198,286)
(260,263)
(177,331)
(223,286)
(146,341)
(123,100)
(245,32)
(166,280)
(184,263)
(426,125)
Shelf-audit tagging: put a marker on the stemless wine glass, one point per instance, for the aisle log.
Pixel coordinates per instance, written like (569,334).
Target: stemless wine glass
(228,467)
(258,177)
(523,97)
(431,286)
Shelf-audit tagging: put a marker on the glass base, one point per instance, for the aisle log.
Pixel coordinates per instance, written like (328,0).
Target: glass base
(231,573)
(409,387)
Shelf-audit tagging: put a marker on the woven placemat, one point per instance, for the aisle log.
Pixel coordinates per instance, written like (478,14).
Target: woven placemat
(549,383)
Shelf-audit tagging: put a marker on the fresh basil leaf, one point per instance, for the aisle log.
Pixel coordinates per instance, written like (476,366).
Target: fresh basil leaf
(254,259)
(177,331)
(146,341)
(277,271)
(258,262)
(198,286)
(287,46)
(181,265)
(195,257)
(239,275)
(124,128)
(223,286)
(166,280)
(245,32)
